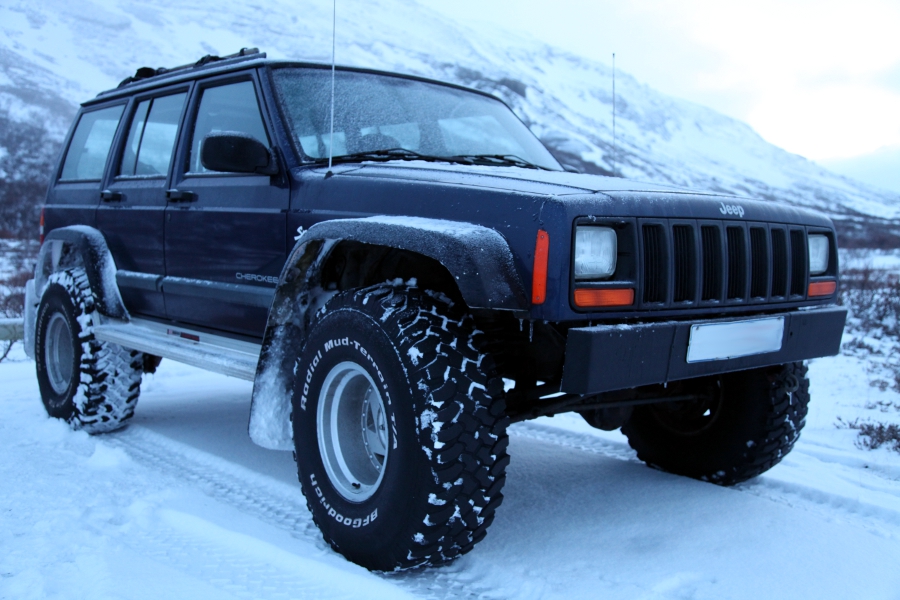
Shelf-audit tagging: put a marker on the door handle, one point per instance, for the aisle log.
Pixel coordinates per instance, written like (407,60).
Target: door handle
(174,195)
(110,196)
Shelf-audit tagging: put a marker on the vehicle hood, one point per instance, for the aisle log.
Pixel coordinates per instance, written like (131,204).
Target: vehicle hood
(517,179)
(577,194)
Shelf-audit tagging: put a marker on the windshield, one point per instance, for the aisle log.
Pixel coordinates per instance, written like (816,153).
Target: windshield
(418,120)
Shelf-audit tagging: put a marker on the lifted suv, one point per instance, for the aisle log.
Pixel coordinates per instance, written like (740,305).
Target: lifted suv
(404,275)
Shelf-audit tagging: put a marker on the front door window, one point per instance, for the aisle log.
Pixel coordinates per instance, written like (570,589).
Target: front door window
(230,108)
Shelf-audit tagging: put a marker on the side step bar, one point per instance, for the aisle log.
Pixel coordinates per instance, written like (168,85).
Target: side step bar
(211,352)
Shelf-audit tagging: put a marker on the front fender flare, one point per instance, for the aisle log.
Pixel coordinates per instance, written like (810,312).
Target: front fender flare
(478,258)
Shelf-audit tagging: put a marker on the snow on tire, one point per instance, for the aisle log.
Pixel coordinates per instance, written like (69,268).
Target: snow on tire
(399,428)
(744,428)
(93,385)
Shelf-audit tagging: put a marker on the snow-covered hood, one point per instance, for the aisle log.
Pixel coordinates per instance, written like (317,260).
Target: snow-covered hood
(582,194)
(556,183)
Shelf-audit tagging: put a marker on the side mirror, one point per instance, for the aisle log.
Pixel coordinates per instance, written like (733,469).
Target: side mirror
(234,152)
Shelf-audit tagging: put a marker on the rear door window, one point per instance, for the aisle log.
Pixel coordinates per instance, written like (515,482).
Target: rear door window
(89,148)
(151,138)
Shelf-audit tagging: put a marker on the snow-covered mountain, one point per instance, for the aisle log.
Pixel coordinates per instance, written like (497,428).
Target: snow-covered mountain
(56,53)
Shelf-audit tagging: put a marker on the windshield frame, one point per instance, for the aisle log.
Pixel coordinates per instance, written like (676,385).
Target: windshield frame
(305,160)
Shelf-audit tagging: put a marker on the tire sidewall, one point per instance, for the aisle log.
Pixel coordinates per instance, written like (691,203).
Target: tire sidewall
(373,526)
(57,300)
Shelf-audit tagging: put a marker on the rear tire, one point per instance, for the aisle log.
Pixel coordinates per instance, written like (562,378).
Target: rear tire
(399,429)
(90,384)
(744,426)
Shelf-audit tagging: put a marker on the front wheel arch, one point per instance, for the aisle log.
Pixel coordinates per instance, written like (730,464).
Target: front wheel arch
(478,259)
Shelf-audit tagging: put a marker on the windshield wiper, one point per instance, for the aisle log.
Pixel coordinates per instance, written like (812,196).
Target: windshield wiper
(387,154)
(395,154)
(499,159)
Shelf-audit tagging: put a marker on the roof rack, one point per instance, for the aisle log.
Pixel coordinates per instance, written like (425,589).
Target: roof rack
(145,73)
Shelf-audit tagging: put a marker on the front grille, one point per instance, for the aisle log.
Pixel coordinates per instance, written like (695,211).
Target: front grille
(655,267)
(798,262)
(779,263)
(721,263)
(685,263)
(759,263)
(737,263)
(712,263)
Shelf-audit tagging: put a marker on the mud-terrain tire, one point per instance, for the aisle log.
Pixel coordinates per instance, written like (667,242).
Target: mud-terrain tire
(90,384)
(392,390)
(746,429)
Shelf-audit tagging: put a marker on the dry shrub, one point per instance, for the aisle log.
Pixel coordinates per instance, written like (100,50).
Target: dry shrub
(872,297)
(873,435)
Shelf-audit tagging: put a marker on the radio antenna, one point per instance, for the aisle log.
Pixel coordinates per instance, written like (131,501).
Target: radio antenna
(615,151)
(333,29)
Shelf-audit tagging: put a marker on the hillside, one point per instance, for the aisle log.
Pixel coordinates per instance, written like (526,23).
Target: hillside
(56,53)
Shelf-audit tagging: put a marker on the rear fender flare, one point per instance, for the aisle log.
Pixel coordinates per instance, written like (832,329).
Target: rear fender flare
(81,246)
(73,247)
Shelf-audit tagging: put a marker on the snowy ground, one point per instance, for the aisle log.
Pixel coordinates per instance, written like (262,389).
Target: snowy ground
(182,505)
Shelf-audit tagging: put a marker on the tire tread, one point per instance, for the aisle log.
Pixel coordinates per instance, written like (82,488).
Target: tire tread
(464,437)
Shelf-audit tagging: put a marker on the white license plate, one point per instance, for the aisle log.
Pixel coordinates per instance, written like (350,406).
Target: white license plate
(720,341)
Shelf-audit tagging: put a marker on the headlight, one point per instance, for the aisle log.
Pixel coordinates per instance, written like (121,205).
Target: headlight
(819,249)
(595,252)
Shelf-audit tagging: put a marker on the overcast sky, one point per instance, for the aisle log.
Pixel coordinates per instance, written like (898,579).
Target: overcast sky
(817,77)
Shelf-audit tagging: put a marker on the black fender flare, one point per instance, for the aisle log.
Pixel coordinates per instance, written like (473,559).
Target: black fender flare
(81,246)
(478,258)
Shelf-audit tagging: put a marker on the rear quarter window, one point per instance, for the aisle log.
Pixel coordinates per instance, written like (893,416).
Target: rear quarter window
(86,157)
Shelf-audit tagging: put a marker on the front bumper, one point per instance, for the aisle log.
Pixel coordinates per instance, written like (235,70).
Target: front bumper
(605,358)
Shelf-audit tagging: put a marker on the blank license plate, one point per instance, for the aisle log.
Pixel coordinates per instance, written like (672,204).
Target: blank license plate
(719,341)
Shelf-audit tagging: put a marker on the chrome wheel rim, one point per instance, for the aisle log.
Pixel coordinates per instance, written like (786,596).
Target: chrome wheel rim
(59,353)
(353,431)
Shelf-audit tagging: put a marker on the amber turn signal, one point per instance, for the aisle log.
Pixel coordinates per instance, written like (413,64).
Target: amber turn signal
(606,297)
(539,274)
(821,288)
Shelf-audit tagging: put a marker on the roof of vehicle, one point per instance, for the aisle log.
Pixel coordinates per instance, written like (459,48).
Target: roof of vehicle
(146,78)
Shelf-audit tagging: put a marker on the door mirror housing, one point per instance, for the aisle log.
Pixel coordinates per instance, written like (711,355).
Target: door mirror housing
(235,152)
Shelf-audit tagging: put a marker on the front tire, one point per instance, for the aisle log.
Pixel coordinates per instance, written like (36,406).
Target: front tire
(399,428)
(743,425)
(92,385)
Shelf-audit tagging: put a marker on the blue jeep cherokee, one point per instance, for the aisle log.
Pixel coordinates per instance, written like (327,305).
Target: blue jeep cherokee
(403,270)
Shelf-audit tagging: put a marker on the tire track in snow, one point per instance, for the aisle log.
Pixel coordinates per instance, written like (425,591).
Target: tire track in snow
(283,506)
(869,515)
(879,513)
(234,573)
(270,501)
(571,439)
